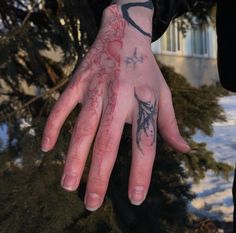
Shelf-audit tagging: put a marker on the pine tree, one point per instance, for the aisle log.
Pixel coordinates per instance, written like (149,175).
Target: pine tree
(31,198)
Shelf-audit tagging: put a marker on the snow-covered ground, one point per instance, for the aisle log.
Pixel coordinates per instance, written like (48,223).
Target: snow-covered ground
(214,193)
(3,135)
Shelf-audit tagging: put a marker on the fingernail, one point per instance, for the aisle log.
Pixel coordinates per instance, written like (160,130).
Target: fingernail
(69,182)
(137,195)
(92,201)
(45,144)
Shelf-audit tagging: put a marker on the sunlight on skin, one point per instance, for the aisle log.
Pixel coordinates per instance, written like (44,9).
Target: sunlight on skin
(118,82)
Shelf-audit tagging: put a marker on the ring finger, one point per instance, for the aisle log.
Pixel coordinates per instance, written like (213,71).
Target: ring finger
(144,148)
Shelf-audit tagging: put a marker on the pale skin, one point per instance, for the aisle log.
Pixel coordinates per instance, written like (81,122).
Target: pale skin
(118,82)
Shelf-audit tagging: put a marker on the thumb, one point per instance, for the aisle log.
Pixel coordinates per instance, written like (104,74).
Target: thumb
(167,123)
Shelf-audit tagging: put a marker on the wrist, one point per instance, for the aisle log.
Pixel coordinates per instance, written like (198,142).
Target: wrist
(120,2)
(137,14)
(144,9)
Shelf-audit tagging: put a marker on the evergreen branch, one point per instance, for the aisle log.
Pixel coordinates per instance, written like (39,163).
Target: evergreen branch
(180,89)
(18,30)
(36,98)
(28,14)
(7,93)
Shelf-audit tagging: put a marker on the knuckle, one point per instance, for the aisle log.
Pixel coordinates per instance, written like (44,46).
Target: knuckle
(126,86)
(72,158)
(145,93)
(140,178)
(148,143)
(141,174)
(98,183)
(56,111)
(86,126)
(84,130)
(93,98)
(113,85)
(50,126)
(104,144)
(73,163)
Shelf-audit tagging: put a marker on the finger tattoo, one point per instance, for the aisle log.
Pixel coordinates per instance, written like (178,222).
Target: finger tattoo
(134,59)
(146,123)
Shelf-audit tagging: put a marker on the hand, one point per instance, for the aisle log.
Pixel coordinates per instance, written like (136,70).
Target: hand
(118,82)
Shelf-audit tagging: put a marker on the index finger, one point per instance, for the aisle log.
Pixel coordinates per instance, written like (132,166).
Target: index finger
(60,111)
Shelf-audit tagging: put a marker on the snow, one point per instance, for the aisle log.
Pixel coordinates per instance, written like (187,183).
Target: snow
(214,193)
(3,136)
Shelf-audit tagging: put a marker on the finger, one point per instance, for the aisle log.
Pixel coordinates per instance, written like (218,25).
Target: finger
(82,138)
(143,146)
(60,111)
(167,123)
(104,156)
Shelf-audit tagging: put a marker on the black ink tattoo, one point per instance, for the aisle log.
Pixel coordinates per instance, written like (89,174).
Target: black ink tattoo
(125,9)
(146,123)
(134,59)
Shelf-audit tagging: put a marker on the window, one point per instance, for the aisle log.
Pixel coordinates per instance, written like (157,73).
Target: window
(171,39)
(199,40)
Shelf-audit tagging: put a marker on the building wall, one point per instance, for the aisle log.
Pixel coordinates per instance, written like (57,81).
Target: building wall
(197,71)
(198,68)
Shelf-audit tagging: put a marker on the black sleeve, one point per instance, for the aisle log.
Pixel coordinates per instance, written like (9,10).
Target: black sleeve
(226,37)
(167,10)
(97,7)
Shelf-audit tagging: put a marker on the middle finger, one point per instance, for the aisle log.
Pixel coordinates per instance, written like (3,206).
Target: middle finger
(104,156)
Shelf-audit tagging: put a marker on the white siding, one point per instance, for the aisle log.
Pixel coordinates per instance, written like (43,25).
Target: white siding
(199,68)
(156,47)
(212,43)
(186,45)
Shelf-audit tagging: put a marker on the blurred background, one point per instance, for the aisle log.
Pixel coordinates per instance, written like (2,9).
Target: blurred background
(41,43)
